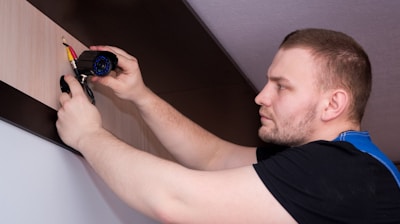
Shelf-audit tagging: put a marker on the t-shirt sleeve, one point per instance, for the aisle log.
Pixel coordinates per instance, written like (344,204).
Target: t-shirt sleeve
(306,183)
(268,150)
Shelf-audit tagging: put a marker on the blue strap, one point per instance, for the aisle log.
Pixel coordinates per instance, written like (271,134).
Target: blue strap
(362,141)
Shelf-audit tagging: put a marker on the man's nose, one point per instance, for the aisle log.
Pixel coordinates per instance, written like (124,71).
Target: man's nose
(263,97)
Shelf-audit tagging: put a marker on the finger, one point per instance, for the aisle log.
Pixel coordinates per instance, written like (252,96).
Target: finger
(112,49)
(108,81)
(74,85)
(120,52)
(64,97)
(127,65)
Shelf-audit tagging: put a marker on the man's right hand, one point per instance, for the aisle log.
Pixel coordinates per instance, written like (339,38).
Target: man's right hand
(127,83)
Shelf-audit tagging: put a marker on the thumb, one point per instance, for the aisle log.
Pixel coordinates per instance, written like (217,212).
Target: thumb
(108,81)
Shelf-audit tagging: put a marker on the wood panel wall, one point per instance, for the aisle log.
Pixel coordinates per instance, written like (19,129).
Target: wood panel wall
(179,58)
(32,59)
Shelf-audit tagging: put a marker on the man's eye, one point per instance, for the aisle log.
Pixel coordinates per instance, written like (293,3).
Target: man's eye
(280,87)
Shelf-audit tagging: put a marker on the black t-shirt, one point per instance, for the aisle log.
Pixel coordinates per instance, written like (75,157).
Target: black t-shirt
(329,182)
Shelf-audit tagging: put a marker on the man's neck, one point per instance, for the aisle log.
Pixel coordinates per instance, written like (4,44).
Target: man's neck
(328,133)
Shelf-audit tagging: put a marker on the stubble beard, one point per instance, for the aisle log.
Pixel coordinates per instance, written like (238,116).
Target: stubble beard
(289,133)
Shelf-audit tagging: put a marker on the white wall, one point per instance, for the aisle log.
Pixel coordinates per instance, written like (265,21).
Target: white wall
(41,182)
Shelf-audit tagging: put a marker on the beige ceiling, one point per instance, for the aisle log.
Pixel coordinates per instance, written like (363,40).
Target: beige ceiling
(250,31)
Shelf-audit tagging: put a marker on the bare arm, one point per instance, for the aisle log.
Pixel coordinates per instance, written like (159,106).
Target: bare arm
(159,188)
(190,144)
(173,194)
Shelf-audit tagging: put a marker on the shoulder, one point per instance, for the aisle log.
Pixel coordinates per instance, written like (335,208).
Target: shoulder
(308,162)
(311,152)
(322,160)
(323,178)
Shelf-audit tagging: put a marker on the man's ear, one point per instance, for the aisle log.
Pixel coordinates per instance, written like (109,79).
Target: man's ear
(335,104)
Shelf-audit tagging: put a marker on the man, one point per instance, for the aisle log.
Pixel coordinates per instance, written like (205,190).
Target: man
(315,170)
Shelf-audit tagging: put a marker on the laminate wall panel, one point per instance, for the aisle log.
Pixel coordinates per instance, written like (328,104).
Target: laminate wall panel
(32,56)
(180,60)
(32,59)
(40,181)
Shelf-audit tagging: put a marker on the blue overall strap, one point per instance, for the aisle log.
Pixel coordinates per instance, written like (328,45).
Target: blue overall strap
(362,141)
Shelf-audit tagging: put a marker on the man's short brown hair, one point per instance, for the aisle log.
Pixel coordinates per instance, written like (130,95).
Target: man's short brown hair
(343,64)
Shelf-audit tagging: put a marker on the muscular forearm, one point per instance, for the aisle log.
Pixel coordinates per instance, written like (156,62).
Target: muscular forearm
(171,193)
(140,179)
(189,143)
